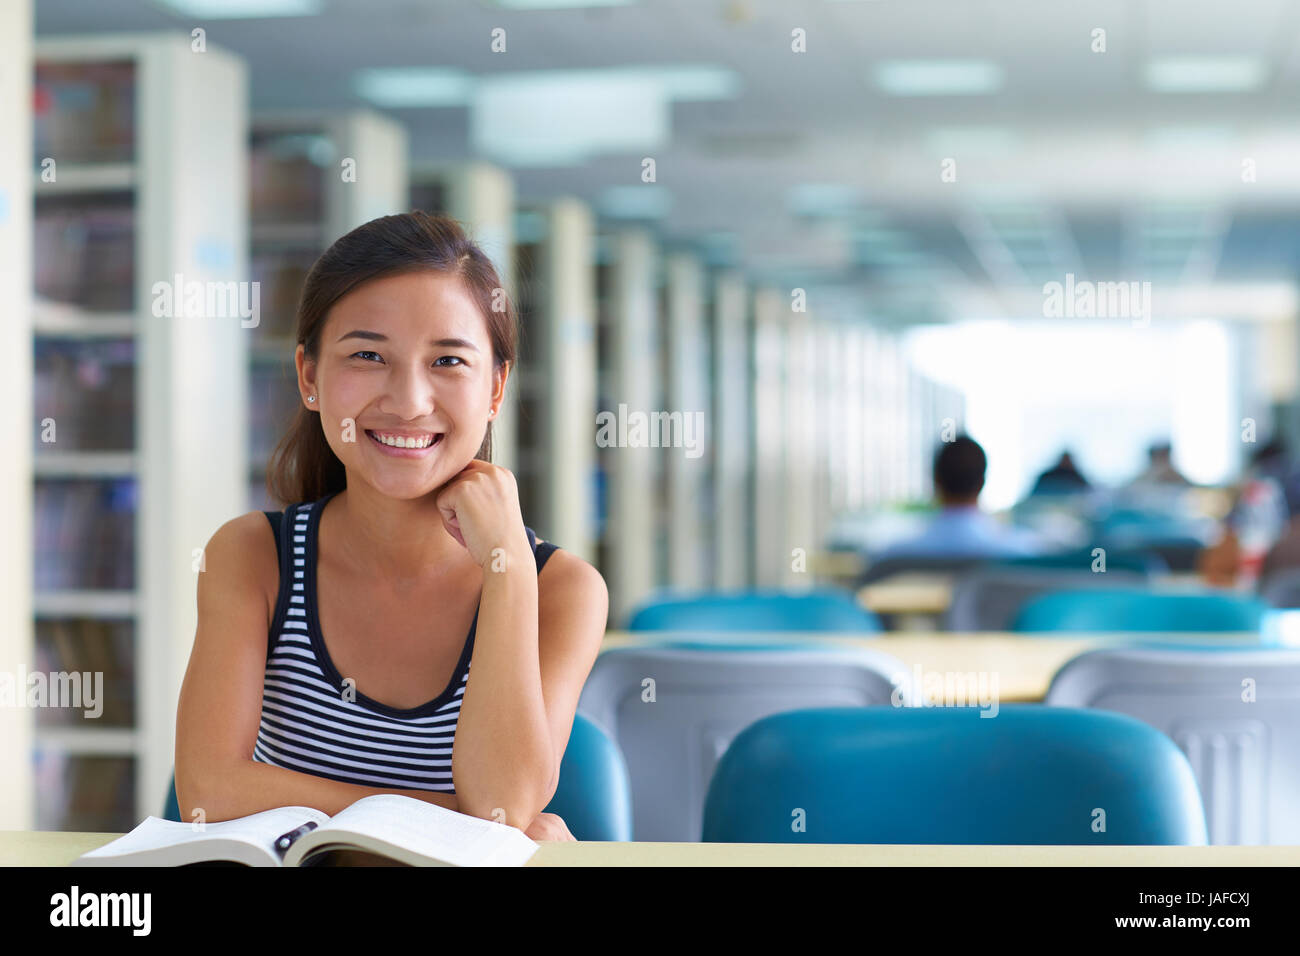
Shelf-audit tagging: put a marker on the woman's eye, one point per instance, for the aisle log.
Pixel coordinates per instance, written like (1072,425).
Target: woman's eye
(453,357)
(364,352)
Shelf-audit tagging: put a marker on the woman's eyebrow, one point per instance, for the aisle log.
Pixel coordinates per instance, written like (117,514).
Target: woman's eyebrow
(380,337)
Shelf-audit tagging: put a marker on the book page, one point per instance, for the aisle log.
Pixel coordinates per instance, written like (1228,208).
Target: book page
(430,831)
(258,829)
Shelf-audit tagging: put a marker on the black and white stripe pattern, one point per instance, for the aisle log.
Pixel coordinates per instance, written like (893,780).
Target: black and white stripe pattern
(308,726)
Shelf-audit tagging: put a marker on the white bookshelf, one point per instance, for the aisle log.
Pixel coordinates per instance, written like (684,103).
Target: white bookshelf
(17,797)
(378,147)
(186,183)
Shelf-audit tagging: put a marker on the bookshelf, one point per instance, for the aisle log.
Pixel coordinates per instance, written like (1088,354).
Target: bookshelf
(686,383)
(303,196)
(555,275)
(145,459)
(731,422)
(630,375)
(17,797)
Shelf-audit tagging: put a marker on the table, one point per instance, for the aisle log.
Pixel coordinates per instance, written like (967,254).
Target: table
(930,592)
(47,848)
(1024,663)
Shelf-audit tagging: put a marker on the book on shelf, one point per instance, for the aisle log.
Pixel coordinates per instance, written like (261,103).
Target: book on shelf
(382,829)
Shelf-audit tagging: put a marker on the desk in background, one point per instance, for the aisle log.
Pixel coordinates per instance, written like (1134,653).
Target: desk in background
(1024,663)
(44,848)
(927,594)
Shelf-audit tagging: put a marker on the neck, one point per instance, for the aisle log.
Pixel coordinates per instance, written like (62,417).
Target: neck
(392,538)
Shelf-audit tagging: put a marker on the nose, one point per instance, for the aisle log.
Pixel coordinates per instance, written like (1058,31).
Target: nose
(408,393)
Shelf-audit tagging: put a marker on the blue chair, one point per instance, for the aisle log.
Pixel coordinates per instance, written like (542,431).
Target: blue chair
(817,610)
(1136,609)
(594,794)
(946,775)
(1117,559)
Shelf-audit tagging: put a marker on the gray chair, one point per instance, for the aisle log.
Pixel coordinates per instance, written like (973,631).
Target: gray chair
(987,598)
(1234,712)
(702,697)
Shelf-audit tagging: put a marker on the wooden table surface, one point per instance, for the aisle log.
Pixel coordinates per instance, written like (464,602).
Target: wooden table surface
(1024,664)
(46,848)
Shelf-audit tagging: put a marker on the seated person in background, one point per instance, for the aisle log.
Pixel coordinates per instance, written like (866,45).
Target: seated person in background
(1261,534)
(960,529)
(1160,469)
(1062,478)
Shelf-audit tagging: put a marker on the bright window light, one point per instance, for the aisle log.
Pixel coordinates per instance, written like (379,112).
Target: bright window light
(938,77)
(1205,74)
(242,9)
(414,86)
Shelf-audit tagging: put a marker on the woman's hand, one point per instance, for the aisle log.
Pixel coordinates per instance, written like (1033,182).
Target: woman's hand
(548,826)
(480,509)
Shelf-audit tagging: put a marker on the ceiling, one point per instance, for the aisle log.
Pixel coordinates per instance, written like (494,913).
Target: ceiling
(813,175)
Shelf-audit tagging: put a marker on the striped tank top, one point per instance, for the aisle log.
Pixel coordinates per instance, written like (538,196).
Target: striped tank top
(308,722)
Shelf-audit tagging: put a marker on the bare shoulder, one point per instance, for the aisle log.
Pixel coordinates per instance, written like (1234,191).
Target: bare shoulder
(572,601)
(241,554)
(566,576)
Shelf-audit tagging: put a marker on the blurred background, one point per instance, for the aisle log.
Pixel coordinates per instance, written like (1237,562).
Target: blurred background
(901,286)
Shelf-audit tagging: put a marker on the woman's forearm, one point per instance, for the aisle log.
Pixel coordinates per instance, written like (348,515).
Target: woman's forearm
(503,758)
(250,787)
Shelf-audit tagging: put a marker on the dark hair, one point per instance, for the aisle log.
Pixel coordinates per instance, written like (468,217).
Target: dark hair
(303,467)
(959,467)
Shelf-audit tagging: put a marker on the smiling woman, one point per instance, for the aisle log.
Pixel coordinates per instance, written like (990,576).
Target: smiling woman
(347,638)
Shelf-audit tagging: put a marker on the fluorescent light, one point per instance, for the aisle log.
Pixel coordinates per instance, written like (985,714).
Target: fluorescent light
(938,77)
(558,4)
(694,84)
(562,116)
(822,199)
(1205,74)
(953,140)
(409,86)
(242,9)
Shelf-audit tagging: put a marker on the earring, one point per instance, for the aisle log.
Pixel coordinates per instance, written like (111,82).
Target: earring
(311,398)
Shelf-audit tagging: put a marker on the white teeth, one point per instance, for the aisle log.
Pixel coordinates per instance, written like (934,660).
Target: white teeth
(399,441)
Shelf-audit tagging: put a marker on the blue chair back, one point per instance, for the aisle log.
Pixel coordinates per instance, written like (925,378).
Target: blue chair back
(818,610)
(1136,609)
(945,775)
(1117,559)
(593,796)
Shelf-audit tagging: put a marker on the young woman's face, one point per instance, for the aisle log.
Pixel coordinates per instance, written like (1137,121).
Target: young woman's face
(408,360)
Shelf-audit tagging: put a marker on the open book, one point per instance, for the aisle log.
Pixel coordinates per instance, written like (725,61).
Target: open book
(386,829)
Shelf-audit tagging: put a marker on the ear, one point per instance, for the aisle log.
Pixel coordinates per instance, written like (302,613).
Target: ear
(499,378)
(306,378)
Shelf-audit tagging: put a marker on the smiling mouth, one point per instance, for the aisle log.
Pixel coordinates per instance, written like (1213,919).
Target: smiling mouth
(415,442)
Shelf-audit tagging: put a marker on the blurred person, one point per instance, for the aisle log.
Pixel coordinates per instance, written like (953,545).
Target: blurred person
(1160,470)
(1261,533)
(1062,478)
(960,528)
